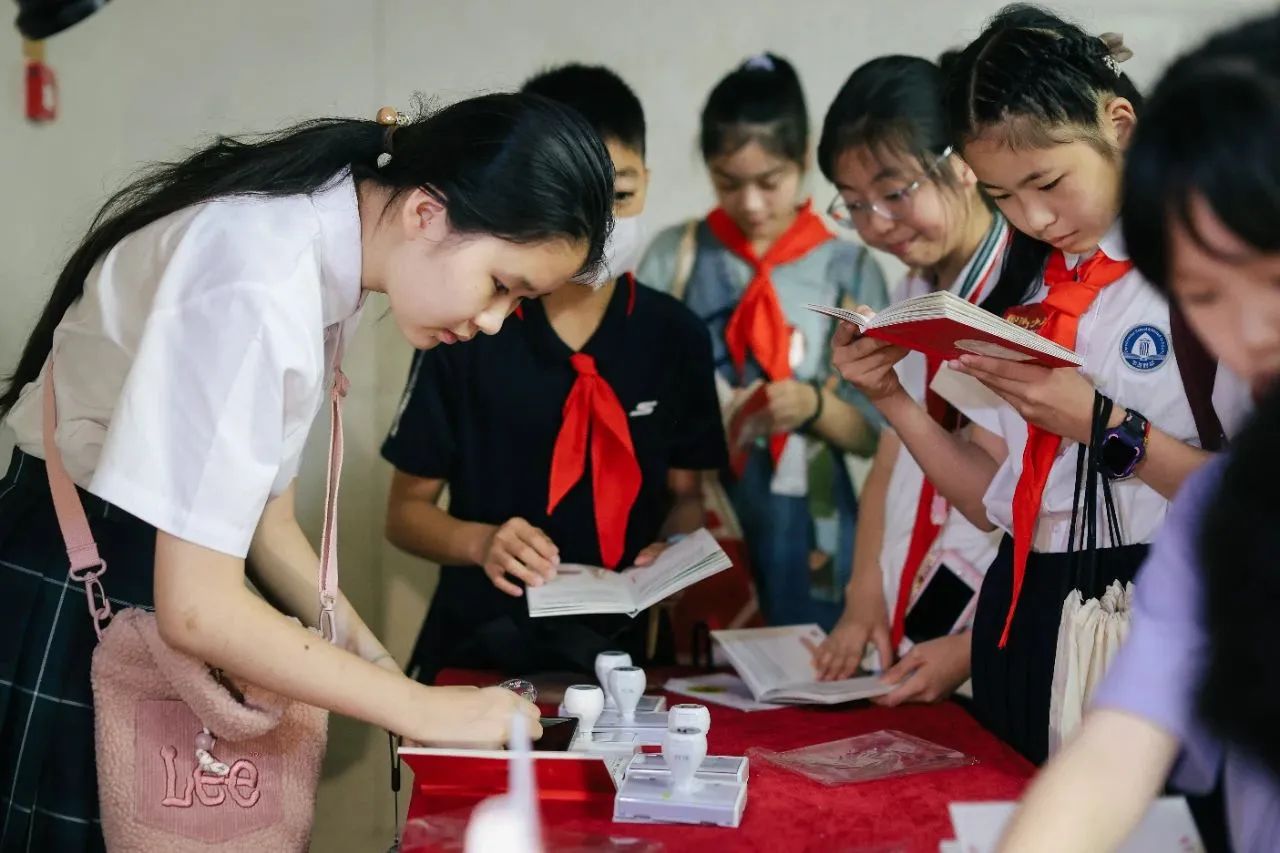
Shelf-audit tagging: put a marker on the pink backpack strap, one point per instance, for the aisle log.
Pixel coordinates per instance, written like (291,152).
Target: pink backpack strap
(329,534)
(87,565)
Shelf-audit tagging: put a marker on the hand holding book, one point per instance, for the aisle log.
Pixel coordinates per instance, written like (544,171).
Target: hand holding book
(515,550)
(942,325)
(1024,369)
(865,362)
(578,589)
(777,666)
(1060,401)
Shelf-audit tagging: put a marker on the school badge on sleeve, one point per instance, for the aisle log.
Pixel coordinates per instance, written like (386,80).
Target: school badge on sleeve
(1145,347)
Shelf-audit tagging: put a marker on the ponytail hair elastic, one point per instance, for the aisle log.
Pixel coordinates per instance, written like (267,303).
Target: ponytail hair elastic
(390,118)
(759,62)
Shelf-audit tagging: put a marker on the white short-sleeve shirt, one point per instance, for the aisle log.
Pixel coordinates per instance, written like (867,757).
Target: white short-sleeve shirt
(959,545)
(189,373)
(1127,347)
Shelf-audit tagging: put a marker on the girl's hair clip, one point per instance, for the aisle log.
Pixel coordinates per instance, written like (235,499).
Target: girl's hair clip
(390,118)
(1117,51)
(759,62)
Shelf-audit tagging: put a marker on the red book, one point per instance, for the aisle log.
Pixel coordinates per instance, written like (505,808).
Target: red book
(748,422)
(945,326)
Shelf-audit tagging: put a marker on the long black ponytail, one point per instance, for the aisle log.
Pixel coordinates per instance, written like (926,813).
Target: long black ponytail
(516,166)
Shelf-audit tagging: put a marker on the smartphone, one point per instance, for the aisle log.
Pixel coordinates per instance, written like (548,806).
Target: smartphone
(939,607)
(557,734)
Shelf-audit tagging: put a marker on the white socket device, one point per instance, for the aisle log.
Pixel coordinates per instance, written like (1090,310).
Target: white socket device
(683,751)
(586,702)
(689,716)
(606,662)
(626,684)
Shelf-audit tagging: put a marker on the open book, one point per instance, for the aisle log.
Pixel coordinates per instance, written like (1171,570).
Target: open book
(719,688)
(942,324)
(579,590)
(777,666)
(1167,825)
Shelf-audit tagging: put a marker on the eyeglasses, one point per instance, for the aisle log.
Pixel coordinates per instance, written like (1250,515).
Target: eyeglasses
(893,206)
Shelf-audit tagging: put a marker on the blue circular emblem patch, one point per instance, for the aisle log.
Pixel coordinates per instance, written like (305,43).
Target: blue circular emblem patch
(1145,347)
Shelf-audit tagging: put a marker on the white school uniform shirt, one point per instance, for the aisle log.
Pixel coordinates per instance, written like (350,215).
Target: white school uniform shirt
(959,545)
(1128,355)
(189,373)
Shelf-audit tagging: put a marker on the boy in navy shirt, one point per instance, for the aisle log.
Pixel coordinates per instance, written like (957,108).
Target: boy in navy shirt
(578,434)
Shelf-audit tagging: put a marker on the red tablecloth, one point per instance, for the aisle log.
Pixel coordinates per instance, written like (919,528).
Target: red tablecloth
(788,812)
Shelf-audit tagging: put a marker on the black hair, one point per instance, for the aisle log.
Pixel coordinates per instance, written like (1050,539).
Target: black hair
(607,103)
(1032,65)
(947,61)
(1227,155)
(1239,537)
(1032,74)
(893,105)
(759,101)
(516,166)
(1235,167)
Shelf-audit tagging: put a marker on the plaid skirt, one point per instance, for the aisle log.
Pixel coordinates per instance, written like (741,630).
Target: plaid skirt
(48,775)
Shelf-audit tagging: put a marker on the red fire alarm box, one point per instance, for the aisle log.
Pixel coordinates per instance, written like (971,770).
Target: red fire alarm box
(41,84)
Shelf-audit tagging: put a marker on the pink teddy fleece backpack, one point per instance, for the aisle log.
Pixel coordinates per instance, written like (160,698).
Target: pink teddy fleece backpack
(187,759)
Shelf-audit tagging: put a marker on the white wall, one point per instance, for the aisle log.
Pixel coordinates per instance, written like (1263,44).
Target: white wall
(672,52)
(144,79)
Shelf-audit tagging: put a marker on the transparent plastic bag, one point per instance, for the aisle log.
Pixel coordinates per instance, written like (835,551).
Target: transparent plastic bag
(445,833)
(878,755)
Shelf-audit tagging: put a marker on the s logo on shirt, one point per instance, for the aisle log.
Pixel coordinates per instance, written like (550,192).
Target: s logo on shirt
(1144,347)
(644,409)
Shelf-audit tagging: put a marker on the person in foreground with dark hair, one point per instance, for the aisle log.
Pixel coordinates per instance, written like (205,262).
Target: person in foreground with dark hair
(193,336)
(748,269)
(616,373)
(1194,694)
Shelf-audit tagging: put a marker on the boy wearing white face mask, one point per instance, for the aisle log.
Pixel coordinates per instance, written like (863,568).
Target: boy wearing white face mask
(580,433)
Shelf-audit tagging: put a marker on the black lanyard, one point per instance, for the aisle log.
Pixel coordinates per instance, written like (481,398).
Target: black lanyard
(1087,477)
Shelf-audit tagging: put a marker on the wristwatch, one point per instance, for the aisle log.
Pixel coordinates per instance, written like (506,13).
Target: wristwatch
(817,412)
(1124,446)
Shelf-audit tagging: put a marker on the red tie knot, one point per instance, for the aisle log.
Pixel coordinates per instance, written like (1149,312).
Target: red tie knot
(583,363)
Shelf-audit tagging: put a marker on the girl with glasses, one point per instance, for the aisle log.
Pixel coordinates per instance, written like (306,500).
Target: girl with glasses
(918,562)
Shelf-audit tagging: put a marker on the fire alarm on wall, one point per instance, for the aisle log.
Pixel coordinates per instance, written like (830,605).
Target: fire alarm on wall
(39,20)
(41,84)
